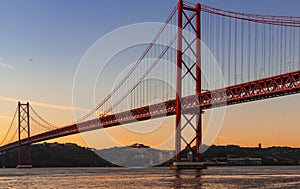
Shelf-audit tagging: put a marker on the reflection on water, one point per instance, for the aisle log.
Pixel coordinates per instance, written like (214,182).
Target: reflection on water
(213,177)
(188,179)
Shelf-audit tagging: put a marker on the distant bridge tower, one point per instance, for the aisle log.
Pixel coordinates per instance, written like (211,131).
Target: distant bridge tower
(184,119)
(24,151)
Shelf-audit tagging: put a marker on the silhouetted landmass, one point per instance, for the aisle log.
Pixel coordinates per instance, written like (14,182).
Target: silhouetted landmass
(72,155)
(270,156)
(58,155)
(136,155)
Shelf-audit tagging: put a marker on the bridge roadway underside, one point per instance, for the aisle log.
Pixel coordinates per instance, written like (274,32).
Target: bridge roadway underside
(276,86)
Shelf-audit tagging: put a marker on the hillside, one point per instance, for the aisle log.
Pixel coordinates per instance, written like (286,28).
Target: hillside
(139,155)
(270,156)
(136,155)
(58,155)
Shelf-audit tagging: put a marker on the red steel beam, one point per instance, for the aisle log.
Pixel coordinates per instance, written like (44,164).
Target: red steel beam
(281,85)
(198,84)
(178,83)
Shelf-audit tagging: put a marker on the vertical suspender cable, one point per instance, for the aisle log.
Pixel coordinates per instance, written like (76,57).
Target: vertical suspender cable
(218,48)
(223,46)
(298,49)
(235,51)
(292,47)
(285,51)
(229,50)
(281,49)
(263,50)
(242,51)
(270,46)
(249,50)
(255,53)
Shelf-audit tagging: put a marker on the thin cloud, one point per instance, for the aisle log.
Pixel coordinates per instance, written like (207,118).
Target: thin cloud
(5,117)
(45,105)
(6,66)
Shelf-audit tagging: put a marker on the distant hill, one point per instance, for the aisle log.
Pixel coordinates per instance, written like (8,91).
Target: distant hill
(136,155)
(139,155)
(270,156)
(58,155)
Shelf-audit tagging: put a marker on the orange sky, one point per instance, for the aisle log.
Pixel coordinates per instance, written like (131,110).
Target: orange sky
(38,64)
(272,122)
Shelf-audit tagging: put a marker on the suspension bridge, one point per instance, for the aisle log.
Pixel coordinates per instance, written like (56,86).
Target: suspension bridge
(220,57)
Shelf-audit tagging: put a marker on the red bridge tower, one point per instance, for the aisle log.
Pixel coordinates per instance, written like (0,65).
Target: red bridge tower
(24,151)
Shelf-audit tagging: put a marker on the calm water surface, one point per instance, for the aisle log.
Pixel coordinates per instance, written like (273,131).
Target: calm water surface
(213,177)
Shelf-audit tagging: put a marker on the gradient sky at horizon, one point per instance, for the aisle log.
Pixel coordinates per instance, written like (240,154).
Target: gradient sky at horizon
(42,43)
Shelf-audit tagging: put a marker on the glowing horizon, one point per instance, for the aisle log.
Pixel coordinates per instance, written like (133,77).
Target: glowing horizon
(41,52)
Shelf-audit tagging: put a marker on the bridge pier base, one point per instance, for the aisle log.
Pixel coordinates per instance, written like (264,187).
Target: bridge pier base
(24,166)
(24,156)
(187,165)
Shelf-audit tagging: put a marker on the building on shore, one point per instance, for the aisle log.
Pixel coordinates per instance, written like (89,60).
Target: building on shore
(230,161)
(244,161)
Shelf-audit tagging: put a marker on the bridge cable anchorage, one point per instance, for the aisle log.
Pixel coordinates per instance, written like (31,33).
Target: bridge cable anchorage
(10,126)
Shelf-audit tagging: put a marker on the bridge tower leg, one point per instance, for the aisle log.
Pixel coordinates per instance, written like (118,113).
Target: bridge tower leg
(188,17)
(24,151)
(3,158)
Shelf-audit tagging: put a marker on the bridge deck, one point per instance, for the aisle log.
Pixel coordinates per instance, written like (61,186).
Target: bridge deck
(271,87)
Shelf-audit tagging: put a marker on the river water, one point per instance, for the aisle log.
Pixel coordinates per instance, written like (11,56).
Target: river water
(213,177)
